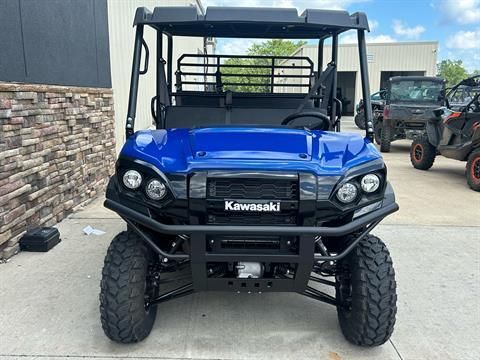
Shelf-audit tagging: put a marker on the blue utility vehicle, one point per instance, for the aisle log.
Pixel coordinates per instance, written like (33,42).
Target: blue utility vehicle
(246,183)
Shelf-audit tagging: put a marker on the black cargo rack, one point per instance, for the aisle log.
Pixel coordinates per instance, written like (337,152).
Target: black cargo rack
(215,79)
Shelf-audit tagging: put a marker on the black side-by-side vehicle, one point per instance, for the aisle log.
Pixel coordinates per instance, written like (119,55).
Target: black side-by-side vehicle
(410,101)
(454,133)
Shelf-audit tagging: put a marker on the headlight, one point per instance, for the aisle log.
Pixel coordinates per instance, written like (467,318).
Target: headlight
(132,179)
(370,183)
(347,193)
(155,189)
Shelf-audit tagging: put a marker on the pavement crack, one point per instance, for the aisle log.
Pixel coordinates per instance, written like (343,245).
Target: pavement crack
(396,350)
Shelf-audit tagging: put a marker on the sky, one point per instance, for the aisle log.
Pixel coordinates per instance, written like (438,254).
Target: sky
(455,24)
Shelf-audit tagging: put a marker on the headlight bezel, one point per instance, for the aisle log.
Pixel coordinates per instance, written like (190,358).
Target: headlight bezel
(363,198)
(148,173)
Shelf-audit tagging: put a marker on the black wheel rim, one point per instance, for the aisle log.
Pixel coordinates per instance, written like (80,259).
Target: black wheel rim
(418,152)
(476,169)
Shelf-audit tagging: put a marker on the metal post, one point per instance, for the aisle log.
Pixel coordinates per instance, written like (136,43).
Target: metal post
(367,106)
(272,75)
(333,104)
(319,68)
(132,98)
(160,123)
(169,63)
(320,57)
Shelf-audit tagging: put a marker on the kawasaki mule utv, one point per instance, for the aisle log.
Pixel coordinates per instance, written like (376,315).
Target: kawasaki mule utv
(248,191)
(409,105)
(455,135)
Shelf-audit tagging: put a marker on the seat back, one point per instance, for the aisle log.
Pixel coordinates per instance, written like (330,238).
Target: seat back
(198,116)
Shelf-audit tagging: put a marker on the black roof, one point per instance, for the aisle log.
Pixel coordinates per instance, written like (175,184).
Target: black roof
(255,22)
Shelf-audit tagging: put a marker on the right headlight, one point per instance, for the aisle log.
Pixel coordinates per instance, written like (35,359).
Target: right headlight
(347,193)
(370,183)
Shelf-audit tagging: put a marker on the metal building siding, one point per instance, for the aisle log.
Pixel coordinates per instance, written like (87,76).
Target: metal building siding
(55,42)
(401,56)
(122,35)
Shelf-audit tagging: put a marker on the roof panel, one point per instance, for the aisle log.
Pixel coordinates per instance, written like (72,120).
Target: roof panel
(175,14)
(336,18)
(248,14)
(248,21)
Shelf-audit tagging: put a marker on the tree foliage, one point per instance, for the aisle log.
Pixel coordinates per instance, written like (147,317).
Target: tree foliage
(246,76)
(452,71)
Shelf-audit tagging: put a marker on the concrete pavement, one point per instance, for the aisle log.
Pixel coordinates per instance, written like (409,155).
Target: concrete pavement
(50,301)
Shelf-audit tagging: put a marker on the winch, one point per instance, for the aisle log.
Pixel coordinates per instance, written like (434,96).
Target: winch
(249,270)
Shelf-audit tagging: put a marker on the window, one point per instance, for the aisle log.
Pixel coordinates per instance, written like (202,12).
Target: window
(416,91)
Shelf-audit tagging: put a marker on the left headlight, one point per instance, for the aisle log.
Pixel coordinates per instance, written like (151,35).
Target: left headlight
(155,189)
(132,179)
(370,183)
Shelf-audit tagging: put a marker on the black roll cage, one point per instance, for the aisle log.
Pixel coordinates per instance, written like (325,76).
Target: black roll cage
(237,22)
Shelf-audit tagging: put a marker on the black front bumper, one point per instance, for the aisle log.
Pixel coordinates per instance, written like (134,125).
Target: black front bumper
(304,259)
(346,229)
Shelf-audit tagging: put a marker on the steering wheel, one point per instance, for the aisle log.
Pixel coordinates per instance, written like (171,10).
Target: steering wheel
(323,124)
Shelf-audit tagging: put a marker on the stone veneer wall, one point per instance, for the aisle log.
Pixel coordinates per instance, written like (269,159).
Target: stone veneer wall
(57,150)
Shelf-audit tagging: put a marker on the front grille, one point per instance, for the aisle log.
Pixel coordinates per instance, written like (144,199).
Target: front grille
(261,189)
(222,218)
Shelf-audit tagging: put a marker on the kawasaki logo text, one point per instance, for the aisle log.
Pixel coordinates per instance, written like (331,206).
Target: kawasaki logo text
(266,207)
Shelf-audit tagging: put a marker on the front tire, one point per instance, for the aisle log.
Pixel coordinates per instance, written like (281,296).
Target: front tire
(422,153)
(378,132)
(473,170)
(366,292)
(385,138)
(124,289)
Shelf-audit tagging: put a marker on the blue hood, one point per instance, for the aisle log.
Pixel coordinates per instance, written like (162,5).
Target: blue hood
(187,150)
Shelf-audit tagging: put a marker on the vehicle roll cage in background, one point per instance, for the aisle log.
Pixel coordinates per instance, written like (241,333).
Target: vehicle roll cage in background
(231,22)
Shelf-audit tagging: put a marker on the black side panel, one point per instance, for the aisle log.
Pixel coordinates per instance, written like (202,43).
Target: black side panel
(62,42)
(12,61)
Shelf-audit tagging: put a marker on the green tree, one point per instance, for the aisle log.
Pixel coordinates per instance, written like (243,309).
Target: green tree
(246,76)
(452,71)
(275,47)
